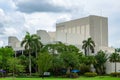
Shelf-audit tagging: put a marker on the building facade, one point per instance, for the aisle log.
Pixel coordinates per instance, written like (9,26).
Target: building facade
(75,31)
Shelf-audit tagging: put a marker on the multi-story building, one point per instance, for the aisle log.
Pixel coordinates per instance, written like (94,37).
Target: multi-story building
(75,31)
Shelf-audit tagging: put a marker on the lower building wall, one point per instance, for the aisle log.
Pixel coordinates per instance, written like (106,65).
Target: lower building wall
(110,67)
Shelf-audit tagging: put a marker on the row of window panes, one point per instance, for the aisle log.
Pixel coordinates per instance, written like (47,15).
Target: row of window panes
(78,29)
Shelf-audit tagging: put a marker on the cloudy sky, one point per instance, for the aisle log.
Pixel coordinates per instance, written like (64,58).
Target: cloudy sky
(19,16)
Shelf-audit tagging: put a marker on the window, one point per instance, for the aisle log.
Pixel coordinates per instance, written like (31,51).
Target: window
(82,29)
(69,30)
(73,29)
(78,29)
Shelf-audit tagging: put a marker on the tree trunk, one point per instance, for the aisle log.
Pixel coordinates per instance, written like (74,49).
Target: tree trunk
(53,61)
(68,71)
(30,63)
(88,51)
(42,75)
(36,68)
(13,72)
(115,67)
(85,52)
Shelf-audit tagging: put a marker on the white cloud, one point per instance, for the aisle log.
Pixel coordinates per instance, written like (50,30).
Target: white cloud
(1,12)
(63,18)
(7,5)
(16,23)
(10,31)
(40,21)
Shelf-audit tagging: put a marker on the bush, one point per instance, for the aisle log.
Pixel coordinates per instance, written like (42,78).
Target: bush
(115,74)
(74,75)
(84,68)
(35,74)
(71,75)
(90,74)
(10,74)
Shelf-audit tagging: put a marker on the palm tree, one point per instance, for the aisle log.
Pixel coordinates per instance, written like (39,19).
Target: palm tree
(37,44)
(114,57)
(101,58)
(51,48)
(88,45)
(117,49)
(30,42)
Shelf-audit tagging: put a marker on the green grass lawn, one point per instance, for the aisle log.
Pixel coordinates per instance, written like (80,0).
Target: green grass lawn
(80,78)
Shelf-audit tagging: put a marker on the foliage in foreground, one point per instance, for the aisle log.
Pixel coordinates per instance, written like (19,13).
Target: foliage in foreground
(44,62)
(115,74)
(90,74)
(80,78)
(101,58)
(15,66)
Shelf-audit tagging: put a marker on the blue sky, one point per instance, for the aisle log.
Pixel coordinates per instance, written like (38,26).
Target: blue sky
(19,16)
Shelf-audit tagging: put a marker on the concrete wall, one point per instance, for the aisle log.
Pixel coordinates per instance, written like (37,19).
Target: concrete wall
(75,31)
(99,30)
(52,36)
(45,37)
(110,67)
(14,43)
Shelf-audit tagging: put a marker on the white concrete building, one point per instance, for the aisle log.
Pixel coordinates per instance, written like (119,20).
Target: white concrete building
(14,43)
(74,32)
(46,37)
(96,27)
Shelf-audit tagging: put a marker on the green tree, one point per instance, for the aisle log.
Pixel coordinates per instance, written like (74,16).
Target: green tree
(117,49)
(88,45)
(86,63)
(70,60)
(5,54)
(15,66)
(114,57)
(37,44)
(90,60)
(57,49)
(30,42)
(54,49)
(101,58)
(44,62)
(51,48)
(24,60)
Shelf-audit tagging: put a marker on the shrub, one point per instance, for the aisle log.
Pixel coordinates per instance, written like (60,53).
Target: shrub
(71,75)
(90,74)
(84,68)
(74,75)
(10,74)
(35,74)
(115,74)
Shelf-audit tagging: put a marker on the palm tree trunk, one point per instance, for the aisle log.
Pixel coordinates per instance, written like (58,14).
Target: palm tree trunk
(36,58)
(53,61)
(115,67)
(88,51)
(85,52)
(30,63)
